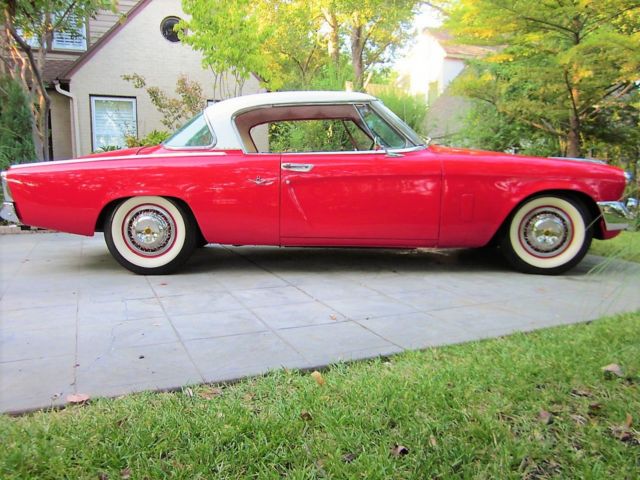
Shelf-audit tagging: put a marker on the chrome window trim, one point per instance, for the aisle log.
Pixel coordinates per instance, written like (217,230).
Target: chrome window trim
(351,152)
(204,147)
(311,104)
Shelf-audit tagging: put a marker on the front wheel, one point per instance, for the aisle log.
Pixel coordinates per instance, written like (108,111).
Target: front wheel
(547,235)
(150,235)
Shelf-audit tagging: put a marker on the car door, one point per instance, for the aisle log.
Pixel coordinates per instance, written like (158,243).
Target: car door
(360,198)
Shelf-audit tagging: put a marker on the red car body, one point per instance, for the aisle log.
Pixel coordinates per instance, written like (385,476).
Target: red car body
(436,197)
(425,196)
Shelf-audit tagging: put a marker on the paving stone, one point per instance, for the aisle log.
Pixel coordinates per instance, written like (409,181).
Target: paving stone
(369,307)
(22,344)
(195,303)
(90,312)
(298,315)
(216,324)
(229,358)
(63,317)
(321,344)
(96,340)
(148,365)
(266,297)
(417,330)
(35,383)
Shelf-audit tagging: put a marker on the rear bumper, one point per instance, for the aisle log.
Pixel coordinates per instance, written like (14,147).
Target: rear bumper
(8,213)
(618,215)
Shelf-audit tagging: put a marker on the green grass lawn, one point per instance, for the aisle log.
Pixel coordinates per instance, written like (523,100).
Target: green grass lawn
(625,246)
(465,411)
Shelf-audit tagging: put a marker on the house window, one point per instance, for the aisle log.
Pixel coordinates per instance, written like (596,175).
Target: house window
(71,40)
(112,120)
(30,40)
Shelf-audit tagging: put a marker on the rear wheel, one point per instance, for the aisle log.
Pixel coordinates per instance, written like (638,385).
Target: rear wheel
(547,235)
(150,235)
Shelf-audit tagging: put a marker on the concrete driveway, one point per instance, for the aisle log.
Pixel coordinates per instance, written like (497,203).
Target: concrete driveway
(73,321)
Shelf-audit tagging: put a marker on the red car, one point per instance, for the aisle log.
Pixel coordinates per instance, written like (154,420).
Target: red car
(318,169)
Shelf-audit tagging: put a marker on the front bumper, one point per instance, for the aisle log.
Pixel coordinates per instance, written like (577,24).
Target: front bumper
(8,213)
(618,215)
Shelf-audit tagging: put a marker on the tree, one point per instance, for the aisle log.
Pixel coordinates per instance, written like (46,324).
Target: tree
(558,66)
(174,111)
(15,119)
(374,28)
(278,40)
(292,42)
(32,22)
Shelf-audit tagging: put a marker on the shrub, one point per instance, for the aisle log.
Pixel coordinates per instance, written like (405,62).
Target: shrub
(16,141)
(412,109)
(155,137)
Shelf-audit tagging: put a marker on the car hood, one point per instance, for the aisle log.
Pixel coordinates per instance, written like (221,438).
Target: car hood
(484,153)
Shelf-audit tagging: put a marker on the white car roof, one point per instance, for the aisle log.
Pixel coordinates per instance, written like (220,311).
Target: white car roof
(220,115)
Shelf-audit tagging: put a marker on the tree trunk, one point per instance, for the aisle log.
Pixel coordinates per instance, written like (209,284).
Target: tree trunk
(357,47)
(333,45)
(574,144)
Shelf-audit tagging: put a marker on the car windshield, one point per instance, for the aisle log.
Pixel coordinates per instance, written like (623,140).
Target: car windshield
(194,134)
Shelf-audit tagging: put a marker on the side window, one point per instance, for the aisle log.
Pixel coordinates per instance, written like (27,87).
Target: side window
(381,129)
(194,134)
(333,135)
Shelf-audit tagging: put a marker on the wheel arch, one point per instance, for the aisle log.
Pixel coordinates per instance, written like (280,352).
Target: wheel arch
(109,207)
(588,201)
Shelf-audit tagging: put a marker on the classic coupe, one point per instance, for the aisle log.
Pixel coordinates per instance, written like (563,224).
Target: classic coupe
(329,169)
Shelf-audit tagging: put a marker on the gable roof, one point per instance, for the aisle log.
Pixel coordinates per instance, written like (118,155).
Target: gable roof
(457,50)
(102,41)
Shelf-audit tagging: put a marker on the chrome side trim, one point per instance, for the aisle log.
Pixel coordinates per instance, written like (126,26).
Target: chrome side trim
(584,160)
(119,157)
(8,213)
(616,215)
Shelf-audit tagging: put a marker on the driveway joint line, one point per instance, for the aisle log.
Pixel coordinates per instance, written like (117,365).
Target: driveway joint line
(348,318)
(175,330)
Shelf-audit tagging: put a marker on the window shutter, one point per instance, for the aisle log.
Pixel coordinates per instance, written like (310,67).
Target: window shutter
(113,120)
(74,40)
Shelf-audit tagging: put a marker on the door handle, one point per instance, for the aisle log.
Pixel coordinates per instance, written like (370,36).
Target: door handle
(297,167)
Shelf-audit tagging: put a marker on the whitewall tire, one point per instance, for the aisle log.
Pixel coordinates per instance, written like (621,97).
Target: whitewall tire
(150,235)
(547,235)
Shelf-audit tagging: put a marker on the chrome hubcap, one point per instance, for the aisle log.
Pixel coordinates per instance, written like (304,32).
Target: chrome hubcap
(546,232)
(149,230)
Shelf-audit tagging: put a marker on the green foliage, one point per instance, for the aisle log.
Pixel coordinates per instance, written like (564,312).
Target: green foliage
(412,109)
(566,70)
(175,111)
(107,148)
(317,136)
(32,22)
(16,142)
(155,137)
(290,43)
(469,411)
(625,246)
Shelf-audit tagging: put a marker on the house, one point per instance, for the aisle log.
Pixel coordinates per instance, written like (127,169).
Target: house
(432,64)
(91,105)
